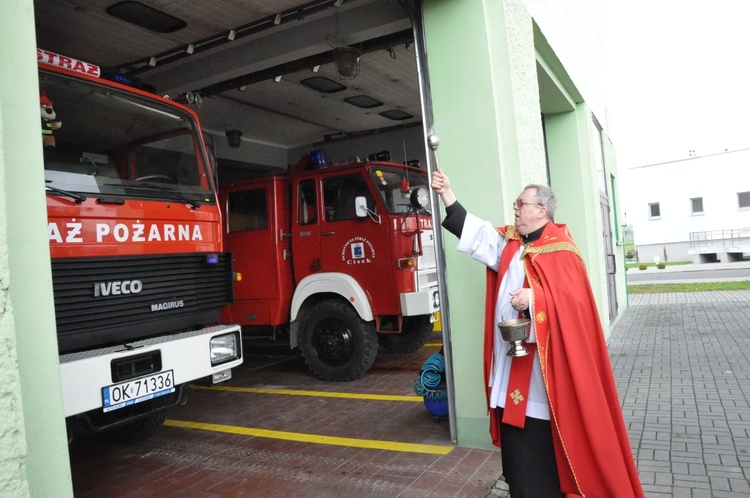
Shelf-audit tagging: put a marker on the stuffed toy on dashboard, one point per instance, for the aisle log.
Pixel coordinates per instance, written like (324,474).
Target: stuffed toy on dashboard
(50,123)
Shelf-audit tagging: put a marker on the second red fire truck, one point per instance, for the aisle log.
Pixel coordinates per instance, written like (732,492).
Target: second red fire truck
(342,256)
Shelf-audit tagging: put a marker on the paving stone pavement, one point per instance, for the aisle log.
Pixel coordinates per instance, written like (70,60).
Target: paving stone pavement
(681,364)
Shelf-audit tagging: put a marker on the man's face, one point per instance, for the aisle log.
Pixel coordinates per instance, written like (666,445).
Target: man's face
(530,215)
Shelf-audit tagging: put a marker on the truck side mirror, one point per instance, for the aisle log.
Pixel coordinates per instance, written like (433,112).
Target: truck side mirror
(360,206)
(362,211)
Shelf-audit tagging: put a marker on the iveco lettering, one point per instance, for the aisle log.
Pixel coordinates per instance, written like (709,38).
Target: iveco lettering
(117,288)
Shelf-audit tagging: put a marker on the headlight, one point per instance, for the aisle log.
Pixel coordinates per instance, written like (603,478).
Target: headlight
(419,198)
(224,348)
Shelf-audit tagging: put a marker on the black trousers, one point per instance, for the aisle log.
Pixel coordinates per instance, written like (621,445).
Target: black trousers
(528,457)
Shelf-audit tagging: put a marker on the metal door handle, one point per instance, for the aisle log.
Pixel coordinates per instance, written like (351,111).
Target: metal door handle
(325,234)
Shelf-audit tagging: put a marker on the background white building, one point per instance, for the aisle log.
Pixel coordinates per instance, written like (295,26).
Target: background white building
(692,209)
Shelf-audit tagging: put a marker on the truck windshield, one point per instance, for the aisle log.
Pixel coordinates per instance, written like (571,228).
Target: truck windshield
(100,140)
(395,186)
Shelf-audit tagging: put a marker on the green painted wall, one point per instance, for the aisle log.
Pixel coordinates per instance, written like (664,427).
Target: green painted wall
(485,104)
(573,176)
(34,452)
(13,451)
(485,88)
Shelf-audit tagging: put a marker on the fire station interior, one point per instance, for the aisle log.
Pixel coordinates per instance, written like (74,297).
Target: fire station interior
(271,82)
(264,73)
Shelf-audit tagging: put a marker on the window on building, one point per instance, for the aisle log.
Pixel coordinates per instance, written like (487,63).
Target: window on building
(653,211)
(696,205)
(743,200)
(599,157)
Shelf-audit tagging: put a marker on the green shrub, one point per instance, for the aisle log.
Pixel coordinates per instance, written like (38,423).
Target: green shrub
(661,266)
(642,266)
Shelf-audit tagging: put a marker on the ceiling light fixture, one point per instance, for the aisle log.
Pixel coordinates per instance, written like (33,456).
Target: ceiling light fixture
(346,58)
(396,115)
(322,84)
(347,62)
(363,101)
(234,138)
(146,17)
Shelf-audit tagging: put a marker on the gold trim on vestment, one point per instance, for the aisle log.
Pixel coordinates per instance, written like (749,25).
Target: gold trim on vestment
(540,316)
(553,247)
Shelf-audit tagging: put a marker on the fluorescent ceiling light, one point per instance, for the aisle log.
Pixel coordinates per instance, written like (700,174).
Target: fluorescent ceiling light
(396,115)
(323,84)
(363,101)
(146,17)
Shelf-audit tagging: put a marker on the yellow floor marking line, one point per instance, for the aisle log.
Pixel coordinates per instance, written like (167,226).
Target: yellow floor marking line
(432,449)
(433,344)
(319,394)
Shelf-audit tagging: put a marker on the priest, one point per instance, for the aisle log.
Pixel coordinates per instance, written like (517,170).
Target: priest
(554,413)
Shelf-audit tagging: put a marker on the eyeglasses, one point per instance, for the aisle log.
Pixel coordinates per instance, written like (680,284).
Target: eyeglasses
(519,204)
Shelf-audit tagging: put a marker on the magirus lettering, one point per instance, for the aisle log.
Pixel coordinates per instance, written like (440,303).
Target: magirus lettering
(169,305)
(117,287)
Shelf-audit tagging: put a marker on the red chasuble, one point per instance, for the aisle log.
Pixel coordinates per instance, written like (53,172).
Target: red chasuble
(592,449)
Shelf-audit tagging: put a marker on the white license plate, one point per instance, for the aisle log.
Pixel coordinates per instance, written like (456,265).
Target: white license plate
(136,390)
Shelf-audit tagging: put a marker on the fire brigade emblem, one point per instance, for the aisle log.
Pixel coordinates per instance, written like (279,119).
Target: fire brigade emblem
(357,251)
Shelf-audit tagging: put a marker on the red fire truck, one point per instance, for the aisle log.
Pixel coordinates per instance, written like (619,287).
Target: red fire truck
(138,273)
(341,255)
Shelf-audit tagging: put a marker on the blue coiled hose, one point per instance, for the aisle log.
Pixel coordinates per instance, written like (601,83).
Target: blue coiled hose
(430,381)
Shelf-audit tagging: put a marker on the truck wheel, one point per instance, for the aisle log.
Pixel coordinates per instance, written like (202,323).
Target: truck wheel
(414,333)
(139,430)
(336,343)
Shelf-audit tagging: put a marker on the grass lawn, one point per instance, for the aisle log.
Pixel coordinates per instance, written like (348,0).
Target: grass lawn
(688,287)
(635,266)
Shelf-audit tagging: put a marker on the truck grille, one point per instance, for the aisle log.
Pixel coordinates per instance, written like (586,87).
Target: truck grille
(427,279)
(101,301)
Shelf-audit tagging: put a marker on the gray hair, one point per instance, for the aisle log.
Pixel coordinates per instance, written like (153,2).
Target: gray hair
(546,197)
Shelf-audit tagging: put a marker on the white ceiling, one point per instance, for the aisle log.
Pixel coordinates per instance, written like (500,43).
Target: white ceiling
(285,113)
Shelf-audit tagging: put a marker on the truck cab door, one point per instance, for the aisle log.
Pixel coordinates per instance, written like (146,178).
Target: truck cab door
(306,228)
(258,237)
(354,245)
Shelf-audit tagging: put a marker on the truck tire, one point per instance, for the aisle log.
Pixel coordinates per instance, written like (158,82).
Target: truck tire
(139,430)
(336,343)
(414,334)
